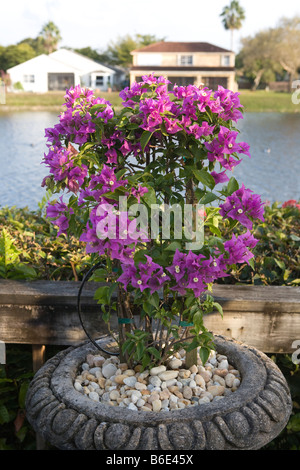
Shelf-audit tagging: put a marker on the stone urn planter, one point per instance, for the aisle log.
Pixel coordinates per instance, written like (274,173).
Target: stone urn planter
(248,419)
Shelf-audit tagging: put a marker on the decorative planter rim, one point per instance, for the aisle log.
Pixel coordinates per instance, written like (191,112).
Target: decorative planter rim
(249,418)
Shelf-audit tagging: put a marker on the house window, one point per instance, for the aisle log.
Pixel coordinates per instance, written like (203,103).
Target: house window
(29,78)
(226,60)
(182,81)
(213,82)
(99,80)
(186,60)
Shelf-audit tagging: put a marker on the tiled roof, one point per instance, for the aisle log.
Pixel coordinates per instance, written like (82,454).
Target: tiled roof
(185,68)
(180,47)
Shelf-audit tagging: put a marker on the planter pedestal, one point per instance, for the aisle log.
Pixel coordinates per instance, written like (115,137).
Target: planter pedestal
(248,419)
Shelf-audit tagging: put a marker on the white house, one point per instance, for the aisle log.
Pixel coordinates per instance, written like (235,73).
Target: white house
(61,70)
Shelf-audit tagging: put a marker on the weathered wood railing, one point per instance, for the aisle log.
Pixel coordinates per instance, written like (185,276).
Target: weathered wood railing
(44,313)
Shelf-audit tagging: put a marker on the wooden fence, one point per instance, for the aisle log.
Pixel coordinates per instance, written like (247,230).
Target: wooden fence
(44,313)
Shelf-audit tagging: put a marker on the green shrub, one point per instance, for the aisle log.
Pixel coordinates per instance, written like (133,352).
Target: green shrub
(30,249)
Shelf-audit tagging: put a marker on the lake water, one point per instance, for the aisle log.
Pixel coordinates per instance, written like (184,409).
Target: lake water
(273,170)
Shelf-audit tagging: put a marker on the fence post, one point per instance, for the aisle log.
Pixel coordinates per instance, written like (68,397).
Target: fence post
(38,359)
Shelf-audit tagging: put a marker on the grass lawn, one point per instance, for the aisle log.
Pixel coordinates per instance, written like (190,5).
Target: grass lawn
(253,101)
(268,101)
(50,100)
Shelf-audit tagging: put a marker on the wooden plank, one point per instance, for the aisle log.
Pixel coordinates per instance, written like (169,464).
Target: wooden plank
(43,312)
(44,292)
(38,356)
(57,325)
(269,332)
(65,293)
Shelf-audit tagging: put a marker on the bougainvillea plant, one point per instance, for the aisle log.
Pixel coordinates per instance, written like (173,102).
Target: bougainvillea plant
(170,147)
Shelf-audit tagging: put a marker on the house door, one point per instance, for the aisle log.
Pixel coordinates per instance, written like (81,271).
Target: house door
(60,81)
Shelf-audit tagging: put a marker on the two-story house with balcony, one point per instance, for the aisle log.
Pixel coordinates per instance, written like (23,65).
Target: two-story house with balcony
(184,63)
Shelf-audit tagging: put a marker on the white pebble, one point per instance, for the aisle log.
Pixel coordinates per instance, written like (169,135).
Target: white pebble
(168,375)
(236,383)
(114,394)
(156,405)
(140,386)
(108,370)
(94,396)
(229,378)
(157,370)
(223,364)
(192,384)
(132,407)
(175,363)
(130,381)
(155,381)
(203,400)
(135,396)
(78,386)
(94,370)
(140,403)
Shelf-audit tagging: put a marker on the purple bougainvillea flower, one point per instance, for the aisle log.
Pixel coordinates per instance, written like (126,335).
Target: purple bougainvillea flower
(238,248)
(148,275)
(220,177)
(59,211)
(243,205)
(139,192)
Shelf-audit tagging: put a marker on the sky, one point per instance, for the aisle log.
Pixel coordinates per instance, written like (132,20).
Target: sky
(96,23)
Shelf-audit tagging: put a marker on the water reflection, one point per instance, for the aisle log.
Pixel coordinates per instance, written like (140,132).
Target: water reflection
(22,146)
(273,170)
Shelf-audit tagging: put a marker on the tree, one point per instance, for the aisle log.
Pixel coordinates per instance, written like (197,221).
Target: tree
(37,44)
(287,46)
(256,59)
(94,54)
(233,16)
(14,55)
(272,51)
(119,51)
(50,36)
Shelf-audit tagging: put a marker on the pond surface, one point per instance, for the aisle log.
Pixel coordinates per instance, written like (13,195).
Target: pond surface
(273,170)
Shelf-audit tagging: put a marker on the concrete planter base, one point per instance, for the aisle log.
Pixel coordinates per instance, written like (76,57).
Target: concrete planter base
(248,419)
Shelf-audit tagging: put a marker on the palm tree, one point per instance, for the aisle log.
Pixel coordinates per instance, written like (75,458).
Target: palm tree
(233,16)
(51,36)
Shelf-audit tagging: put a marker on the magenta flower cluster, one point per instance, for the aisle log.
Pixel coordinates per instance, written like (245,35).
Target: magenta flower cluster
(243,205)
(89,169)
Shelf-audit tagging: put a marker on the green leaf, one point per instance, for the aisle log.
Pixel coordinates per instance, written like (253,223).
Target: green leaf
(214,230)
(140,349)
(205,178)
(279,263)
(251,262)
(294,423)
(174,246)
(8,253)
(204,354)
(154,352)
(232,186)
(154,300)
(4,415)
(207,198)
(182,152)
(22,394)
(145,137)
(219,308)
(102,295)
